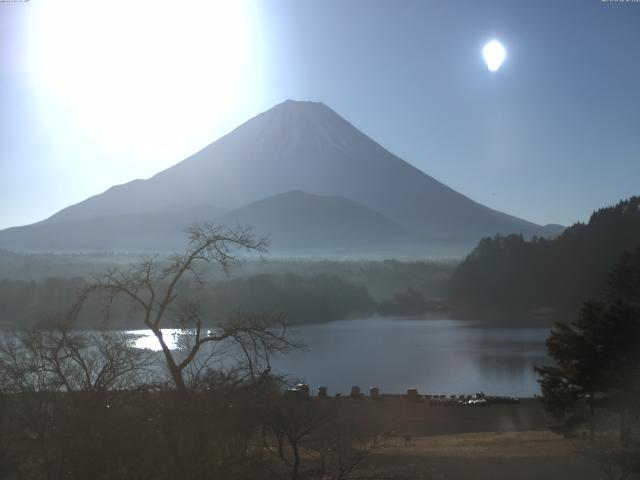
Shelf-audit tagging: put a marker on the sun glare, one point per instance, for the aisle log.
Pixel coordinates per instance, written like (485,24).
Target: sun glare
(138,73)
(494,55)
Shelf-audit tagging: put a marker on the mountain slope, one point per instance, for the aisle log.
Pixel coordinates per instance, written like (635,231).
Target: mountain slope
(303,146)
(297,223)
(302,222)
(148,232)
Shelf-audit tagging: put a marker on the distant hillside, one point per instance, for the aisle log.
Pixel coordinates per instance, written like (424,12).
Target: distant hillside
(297,223)
(294,146)
(508,272)
(300,222)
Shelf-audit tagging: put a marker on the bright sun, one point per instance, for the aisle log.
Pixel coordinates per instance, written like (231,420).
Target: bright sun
(494,54)
(140,72)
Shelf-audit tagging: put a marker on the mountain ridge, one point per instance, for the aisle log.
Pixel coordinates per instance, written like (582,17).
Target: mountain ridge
(302,146)
(297,223)
(304,222)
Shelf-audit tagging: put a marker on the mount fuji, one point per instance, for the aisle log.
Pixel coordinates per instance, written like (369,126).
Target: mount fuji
(294,169)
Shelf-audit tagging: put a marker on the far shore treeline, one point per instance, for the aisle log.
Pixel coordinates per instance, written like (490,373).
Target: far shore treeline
(305,291)
(503,274)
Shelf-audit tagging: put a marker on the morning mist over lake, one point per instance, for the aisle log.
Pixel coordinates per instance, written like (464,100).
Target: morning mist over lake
(319,240)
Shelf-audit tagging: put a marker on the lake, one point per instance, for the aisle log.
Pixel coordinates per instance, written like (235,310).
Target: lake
(437,356)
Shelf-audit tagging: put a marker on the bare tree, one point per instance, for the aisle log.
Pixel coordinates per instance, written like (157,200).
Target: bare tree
(82,404)
(342,452)
(66,392)
(154,289)
(298,422)
(320,440)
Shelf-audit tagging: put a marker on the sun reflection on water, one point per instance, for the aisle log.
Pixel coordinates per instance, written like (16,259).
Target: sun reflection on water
(146,340)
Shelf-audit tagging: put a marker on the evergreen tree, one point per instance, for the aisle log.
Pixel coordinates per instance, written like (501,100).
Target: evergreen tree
(597,356)
(510,272)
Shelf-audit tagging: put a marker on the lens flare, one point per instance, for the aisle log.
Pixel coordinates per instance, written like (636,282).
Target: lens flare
(136,73)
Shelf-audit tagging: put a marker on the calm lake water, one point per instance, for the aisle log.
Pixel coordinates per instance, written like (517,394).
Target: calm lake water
(436,356)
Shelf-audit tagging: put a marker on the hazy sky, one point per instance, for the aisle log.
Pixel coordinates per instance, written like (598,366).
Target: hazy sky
(94,94)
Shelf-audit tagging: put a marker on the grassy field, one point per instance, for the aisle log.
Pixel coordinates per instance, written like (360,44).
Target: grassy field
(488,455)
(422,419)
(454,443)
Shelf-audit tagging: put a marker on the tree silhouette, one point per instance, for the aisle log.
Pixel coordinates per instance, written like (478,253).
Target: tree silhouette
(154,289)
(597,356)
(511,272)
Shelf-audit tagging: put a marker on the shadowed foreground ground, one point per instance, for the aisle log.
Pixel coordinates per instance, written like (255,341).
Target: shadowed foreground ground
(495,456)
(493,443)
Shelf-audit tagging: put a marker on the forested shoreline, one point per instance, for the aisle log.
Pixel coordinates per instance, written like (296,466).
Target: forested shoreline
(503,275)
(511,273)
(305,291)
